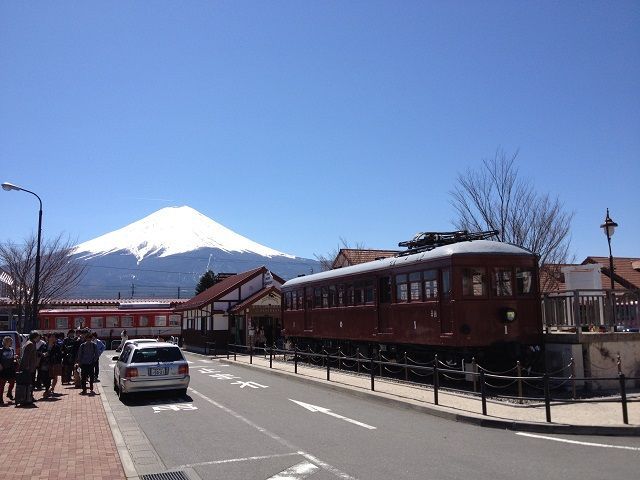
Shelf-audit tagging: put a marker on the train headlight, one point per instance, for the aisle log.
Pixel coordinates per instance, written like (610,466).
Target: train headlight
(509,315)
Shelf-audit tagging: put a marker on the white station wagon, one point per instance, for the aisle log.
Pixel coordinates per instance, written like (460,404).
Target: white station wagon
(143,367)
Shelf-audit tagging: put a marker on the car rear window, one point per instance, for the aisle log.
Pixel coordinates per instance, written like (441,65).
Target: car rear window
(159,354)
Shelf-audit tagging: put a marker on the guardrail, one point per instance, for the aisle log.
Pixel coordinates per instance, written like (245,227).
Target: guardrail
(485,383)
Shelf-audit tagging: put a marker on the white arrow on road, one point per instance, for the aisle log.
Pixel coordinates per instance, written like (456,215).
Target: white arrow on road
(326,411)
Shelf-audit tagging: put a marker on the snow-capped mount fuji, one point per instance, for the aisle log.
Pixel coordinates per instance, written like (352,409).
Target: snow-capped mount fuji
(164,254)
(171,231)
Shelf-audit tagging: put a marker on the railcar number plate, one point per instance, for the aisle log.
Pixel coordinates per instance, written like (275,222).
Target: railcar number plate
(158,371)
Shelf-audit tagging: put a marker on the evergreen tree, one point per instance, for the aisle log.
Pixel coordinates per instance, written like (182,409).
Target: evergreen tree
(207,280)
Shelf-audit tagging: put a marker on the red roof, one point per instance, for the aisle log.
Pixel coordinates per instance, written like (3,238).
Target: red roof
(356,256)
(626,270)
(254,298)
(222,288)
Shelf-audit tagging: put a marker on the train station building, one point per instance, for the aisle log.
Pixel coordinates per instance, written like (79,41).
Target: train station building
(242,309)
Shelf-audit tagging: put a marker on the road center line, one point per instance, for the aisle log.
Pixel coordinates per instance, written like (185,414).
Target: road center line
(576,442)
(275,437)
(236,460)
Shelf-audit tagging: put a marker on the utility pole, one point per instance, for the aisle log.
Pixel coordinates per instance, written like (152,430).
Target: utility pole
(133,289)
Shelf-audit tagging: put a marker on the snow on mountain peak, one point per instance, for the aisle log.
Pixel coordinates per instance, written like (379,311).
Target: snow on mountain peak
(170,231)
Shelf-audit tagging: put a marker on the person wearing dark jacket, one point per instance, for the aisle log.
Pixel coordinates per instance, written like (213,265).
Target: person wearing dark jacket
(7,368)
(29,362)
(87,355)
(70,352)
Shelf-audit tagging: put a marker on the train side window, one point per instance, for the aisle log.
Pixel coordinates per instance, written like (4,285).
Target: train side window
(430,284)
(333,298)
(524,281)
(126,321)
(402,287)
(160,321)
(317,297)
(112,322)
(415,287)
(325,297)
(368,292)
(474,282)
(78,322)
(62,323)
(97,322)
(294,300)
(341,295)
(143,321)
(358,293)
(385,290)
(446,281)
(350,295)
(502,283)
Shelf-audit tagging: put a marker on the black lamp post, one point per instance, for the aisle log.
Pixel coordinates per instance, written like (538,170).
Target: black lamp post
(36,283)
(609,227)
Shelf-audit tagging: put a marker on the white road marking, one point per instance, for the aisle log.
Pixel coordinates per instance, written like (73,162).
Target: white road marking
(249,384)
(237,460)
(273,436)
(176,407)
(326,411)
(297,472)
(576,442)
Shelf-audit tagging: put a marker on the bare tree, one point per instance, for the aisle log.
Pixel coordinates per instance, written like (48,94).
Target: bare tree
(494,197)
(59,273)
(326,261)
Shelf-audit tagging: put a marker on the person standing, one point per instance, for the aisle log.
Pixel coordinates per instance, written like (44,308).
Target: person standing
(7,368)
(69,351)
(101,348)
(87,355)
(28,365)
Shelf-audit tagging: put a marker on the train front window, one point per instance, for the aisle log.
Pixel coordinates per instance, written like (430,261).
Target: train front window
(502,283)
(430,284)
(524,281)
(402,288)
(415,286)
(474,282)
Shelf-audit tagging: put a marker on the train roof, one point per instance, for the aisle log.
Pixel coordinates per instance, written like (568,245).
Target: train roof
(462,248)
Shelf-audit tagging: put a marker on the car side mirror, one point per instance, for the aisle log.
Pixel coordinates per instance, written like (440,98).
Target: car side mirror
(115,358)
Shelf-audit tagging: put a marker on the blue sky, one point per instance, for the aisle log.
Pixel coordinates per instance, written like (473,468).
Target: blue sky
(297,123)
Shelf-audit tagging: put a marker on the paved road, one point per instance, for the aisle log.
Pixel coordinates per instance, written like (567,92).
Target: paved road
(238,423)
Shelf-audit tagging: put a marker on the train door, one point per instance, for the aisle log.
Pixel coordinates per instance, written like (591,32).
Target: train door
(446,302)
(384,303)
(308,306)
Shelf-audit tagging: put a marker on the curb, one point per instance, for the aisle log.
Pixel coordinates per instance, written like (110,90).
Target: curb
(123,452)
(447,414)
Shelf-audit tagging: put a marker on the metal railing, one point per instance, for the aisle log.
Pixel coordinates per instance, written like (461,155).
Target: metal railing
(591,310)
(486,384)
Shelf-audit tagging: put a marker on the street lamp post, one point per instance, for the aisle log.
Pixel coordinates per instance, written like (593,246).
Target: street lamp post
(36,283)
(609,227)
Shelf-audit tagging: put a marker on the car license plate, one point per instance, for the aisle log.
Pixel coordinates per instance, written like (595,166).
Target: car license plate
(158,371)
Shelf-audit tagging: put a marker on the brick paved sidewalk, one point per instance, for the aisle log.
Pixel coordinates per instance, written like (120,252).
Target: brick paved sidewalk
(67,437)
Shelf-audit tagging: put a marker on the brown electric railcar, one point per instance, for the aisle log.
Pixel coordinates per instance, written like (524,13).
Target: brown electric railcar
(465,299)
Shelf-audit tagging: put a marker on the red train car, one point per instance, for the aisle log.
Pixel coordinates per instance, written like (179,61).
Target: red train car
(139,320)
(472,298)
